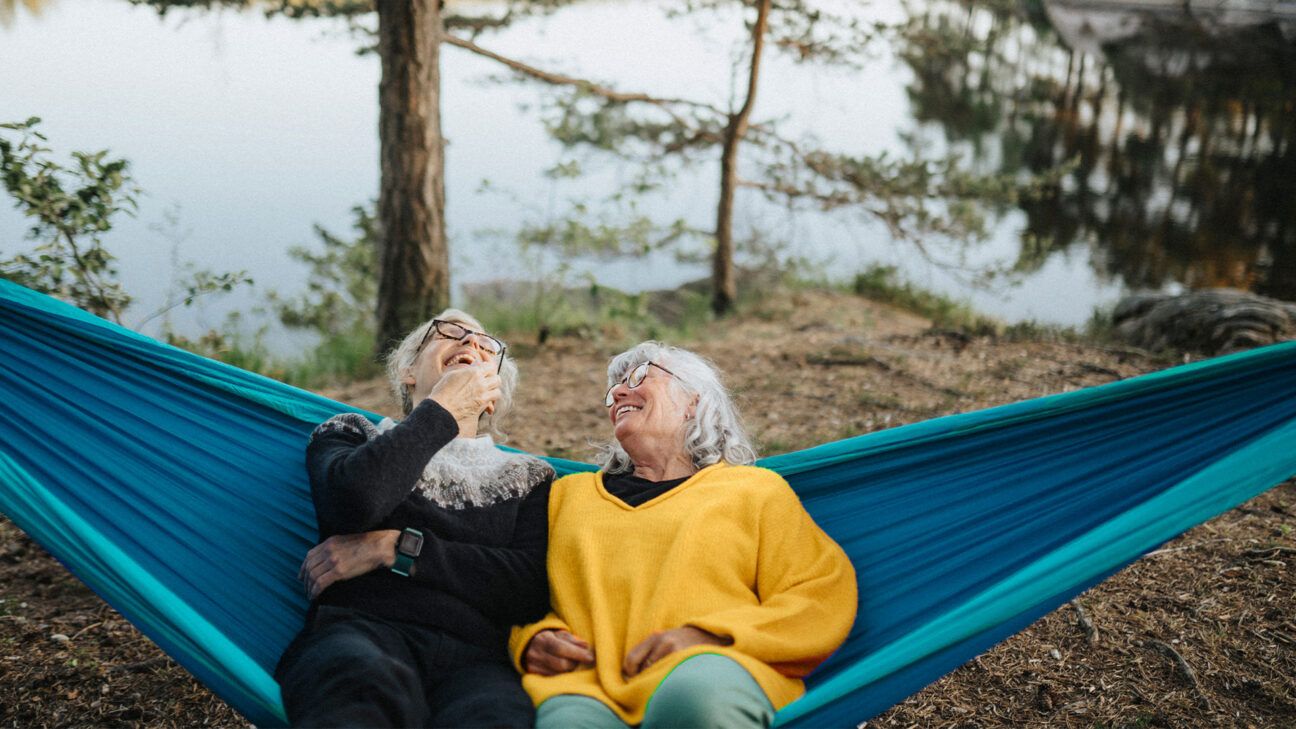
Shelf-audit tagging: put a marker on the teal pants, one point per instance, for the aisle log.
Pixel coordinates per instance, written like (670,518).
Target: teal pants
(706,690)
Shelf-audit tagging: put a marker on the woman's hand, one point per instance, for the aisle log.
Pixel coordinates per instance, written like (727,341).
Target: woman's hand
(654,647)
(345,556)
(467,392)
(552,652)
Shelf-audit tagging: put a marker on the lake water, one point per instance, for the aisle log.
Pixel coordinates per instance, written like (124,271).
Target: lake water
(250,130)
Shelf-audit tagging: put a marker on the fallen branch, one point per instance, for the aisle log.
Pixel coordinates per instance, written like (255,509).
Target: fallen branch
(869,361)
(1268,553)
(1282,637)
(558,79)
(1185,670)
(89,627)
(1099,370)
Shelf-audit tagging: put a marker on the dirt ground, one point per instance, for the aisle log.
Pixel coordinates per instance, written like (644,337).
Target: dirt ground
(1200,633)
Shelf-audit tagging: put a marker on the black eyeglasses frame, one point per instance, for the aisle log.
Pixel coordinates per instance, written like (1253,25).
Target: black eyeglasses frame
(436,327)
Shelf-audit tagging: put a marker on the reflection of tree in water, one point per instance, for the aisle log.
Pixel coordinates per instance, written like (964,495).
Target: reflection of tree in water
(1182,135)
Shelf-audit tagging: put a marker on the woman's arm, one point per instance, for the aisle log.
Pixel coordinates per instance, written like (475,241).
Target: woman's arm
(806,587)
(357,480)
(553,651)
(507,584)
(548,647)
(663,643)
(345,556)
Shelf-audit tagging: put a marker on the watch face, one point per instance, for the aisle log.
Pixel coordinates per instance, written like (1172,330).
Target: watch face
(410,544)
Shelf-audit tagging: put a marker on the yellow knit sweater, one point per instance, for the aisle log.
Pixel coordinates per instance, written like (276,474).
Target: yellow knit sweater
(730,551)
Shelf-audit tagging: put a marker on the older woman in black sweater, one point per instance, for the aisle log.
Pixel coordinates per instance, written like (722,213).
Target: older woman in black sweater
(434,544)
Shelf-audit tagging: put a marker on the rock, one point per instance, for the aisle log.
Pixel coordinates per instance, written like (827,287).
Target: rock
(1209,321)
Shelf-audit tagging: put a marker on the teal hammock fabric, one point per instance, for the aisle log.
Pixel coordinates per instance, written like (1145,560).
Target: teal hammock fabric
(174,487)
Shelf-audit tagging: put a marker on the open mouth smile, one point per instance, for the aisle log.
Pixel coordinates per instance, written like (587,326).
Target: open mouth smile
(460,358)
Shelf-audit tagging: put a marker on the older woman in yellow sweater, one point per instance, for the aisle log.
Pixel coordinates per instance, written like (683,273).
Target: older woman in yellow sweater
(689,588)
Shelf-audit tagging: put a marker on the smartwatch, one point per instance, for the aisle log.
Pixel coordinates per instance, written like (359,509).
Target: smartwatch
(408,546)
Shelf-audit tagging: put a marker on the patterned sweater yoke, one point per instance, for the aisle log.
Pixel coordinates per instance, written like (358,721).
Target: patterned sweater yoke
(465,472)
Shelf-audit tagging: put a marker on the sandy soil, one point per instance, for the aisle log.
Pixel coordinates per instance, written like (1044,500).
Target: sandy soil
(1199,633)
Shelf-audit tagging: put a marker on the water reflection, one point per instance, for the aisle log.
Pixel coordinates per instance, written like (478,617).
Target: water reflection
(259,127)
(1180,126)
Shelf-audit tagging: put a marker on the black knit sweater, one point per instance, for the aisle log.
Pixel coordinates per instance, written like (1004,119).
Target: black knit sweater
(482,567)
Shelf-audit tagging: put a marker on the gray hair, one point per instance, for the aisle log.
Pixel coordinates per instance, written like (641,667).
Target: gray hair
(401,360)
(714,434)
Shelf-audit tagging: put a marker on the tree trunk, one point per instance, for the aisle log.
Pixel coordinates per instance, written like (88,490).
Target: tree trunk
(414,268)
(724,288)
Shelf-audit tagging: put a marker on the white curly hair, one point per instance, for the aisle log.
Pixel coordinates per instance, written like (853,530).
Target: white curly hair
(401,360)
(713,435)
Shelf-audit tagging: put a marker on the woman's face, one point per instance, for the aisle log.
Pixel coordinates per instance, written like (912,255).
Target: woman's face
(441,354)
(651,415)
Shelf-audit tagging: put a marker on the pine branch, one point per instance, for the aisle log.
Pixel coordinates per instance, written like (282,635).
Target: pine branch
(585,85)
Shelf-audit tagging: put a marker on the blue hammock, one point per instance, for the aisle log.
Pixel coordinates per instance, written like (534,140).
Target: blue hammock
(174,487)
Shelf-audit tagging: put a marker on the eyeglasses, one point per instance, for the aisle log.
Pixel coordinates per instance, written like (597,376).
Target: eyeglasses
(633,380)
(459,333)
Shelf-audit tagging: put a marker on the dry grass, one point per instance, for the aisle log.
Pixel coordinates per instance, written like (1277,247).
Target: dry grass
(1200,633)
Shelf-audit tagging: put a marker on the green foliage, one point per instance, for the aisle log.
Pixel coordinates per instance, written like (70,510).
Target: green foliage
(342,286)
(1097,331)
(920,197)
(341,358)
(290,8)
(338,305)
(585,117)
(916,197)
(498,15)
(228,344)
(806,30)
(1100,327)
(337,358)
(880,283)
(71,208)
(188,281)
(559,301)
(561,298)
(555,305)
(1033,331)
(639,235)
